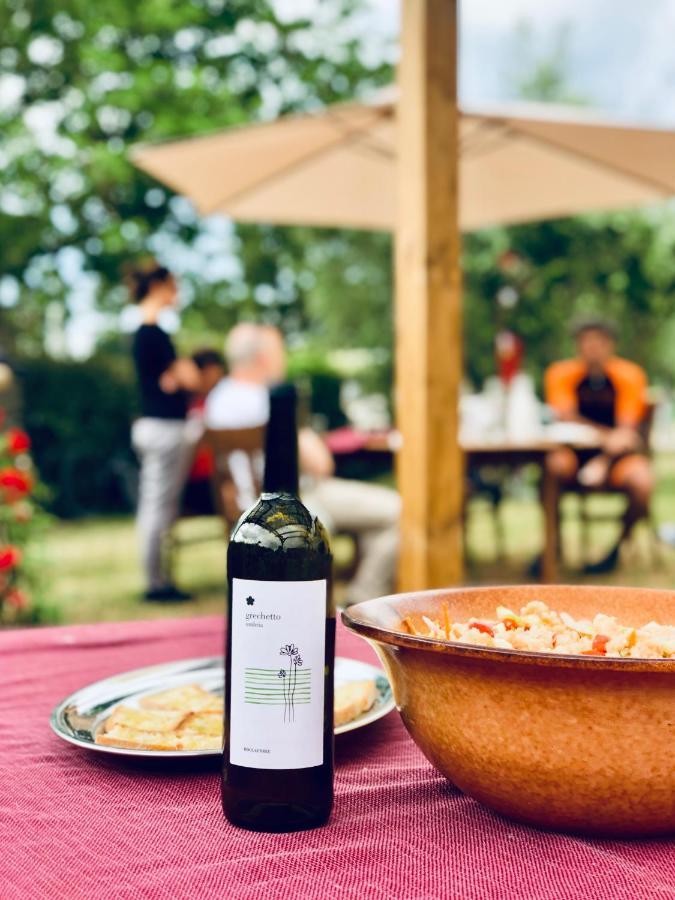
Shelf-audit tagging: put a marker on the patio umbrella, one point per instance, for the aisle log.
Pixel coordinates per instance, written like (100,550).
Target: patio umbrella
(337,167)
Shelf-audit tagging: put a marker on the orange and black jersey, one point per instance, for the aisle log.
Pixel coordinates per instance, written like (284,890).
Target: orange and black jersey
(617,397)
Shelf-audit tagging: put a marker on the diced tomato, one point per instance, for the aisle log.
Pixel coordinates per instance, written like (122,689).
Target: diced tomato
(600,642)
(512,624)
(483,627)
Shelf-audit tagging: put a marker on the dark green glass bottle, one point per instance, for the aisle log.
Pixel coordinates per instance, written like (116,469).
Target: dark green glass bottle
(280,650)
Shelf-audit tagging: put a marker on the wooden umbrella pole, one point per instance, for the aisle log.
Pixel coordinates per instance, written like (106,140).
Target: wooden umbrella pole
(428,297)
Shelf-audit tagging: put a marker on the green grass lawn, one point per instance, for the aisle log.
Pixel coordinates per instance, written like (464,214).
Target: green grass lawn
(93,571)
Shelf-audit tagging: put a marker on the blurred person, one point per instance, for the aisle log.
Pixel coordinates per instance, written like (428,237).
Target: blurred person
(601,389)
(256,357)
(197,498)
(211,365)
(161,436)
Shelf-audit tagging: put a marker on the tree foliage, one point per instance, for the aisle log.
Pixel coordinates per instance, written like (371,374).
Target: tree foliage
(80,83)
(621,266)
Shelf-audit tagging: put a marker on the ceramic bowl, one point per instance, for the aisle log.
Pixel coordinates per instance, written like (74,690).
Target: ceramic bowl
(573,743)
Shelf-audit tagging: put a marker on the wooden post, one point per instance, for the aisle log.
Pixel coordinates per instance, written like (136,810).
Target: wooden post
(428,297)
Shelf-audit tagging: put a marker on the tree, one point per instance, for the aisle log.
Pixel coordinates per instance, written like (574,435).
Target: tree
(621,264)
(542,73)
(82,82)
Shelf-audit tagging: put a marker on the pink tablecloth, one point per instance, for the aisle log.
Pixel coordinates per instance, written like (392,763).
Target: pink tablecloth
(75,825)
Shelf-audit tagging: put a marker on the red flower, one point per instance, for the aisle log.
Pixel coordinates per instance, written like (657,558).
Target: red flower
(17,441)
(10,557)
(15,483)
(17,598)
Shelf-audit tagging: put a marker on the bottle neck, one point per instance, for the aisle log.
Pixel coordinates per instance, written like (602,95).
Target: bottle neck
(281,444)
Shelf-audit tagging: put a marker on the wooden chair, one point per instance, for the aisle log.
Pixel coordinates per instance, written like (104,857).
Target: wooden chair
(586,518)
(251,441)
(224,442)
(225,495)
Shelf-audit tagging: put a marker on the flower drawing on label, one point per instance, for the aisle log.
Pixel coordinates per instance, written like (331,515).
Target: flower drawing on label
(294,690)
(288,686)
(250,601)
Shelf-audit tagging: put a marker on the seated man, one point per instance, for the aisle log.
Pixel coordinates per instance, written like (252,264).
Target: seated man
(256,357)
(603,390)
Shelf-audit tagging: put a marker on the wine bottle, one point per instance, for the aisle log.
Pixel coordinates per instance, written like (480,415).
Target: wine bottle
(280,650)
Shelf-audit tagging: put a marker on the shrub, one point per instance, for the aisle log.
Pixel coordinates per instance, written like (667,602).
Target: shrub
(78,416)
(319,387)
(21,522)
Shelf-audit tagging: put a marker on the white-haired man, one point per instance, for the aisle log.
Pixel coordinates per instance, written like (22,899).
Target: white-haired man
(256,357)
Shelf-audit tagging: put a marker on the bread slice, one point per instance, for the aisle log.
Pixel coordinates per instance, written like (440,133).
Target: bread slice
(189,698)
(352,699)
(216,704)
(200,742)
(210,723)
(153,720)
(131,739)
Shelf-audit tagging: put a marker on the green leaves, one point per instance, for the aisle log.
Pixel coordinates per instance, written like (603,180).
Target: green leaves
(86,81)
(620,265)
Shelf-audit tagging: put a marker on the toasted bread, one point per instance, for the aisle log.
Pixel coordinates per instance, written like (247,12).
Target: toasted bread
(353,699)
(200,742)
(131,739)
(203,723)
(154,720)
(188,698)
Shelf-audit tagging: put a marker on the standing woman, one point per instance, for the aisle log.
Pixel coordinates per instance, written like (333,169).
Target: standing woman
(160,437)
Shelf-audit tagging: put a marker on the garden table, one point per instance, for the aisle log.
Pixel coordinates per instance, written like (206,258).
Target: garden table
(512,455)
(75,824)
(505,453)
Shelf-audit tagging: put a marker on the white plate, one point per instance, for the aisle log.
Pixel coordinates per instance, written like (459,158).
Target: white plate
(77,718)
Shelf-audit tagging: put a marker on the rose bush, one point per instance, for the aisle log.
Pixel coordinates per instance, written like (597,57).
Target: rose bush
(21,522)
(17,441)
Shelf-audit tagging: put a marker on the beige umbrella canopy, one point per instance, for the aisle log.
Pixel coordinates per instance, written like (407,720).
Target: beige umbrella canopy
(337,167)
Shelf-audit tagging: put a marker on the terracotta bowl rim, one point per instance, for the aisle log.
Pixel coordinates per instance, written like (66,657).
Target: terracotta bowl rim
(356,619)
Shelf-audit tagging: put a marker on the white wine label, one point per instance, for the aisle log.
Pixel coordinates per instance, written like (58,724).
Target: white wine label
(277,673)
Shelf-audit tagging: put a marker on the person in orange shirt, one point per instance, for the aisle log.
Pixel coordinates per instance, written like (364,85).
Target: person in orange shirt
(601,389)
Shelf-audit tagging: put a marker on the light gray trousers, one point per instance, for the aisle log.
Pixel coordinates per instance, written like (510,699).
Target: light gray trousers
(164,448)
(371,512)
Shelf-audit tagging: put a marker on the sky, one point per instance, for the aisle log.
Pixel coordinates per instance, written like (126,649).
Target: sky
(621,56)
(620,60)
(620,52)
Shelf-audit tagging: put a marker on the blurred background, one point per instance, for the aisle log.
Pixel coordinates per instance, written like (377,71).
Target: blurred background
(80,84)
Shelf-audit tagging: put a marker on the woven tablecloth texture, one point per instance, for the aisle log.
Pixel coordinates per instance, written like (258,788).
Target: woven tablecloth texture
(74,824)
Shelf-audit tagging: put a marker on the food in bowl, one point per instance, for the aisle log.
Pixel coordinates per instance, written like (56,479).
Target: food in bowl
(537,628)
(567,741)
